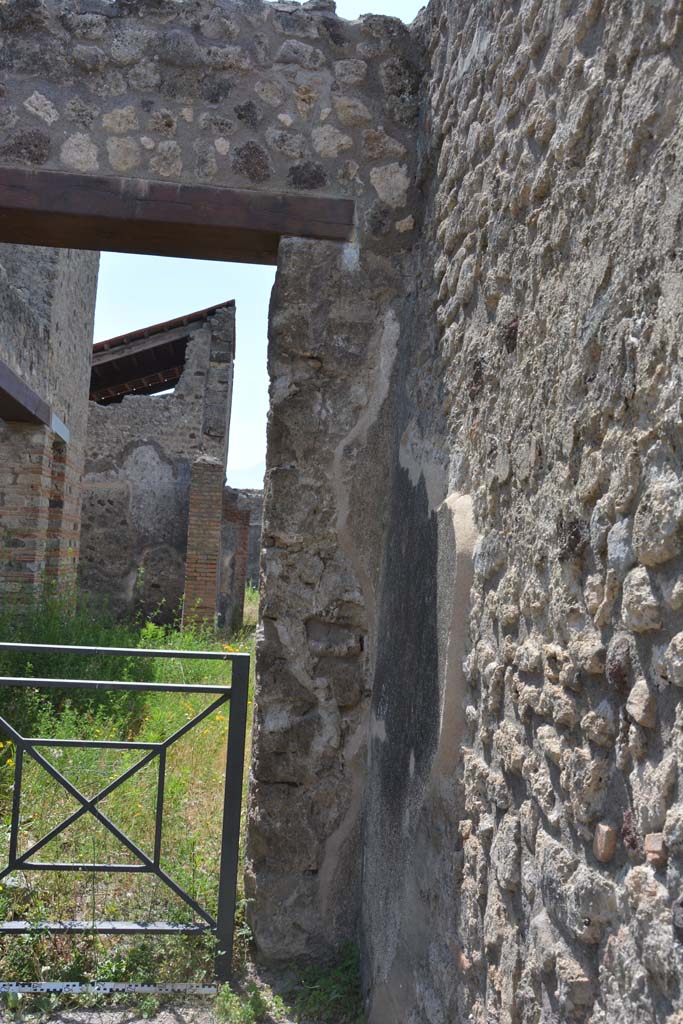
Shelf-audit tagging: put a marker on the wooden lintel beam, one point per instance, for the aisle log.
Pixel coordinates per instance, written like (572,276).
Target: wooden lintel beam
(132,215)
(152,341)
(20,404)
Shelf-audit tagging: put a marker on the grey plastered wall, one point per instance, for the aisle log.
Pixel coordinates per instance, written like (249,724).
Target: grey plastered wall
(137,476)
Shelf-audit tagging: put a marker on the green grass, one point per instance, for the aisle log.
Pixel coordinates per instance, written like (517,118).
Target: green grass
(193,798)
(251,606)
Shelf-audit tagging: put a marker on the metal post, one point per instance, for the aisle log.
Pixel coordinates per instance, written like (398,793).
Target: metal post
(232,816)
(159,828)
(16,805)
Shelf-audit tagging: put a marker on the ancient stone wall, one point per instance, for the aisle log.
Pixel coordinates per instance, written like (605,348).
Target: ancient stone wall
(523,855)
(333,338)
(138,480)
(467,727)
(47,304)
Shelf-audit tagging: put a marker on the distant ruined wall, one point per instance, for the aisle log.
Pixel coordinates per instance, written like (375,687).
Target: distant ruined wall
(47,306)
(251,501)
(138,477)
(240,550)
(523,856)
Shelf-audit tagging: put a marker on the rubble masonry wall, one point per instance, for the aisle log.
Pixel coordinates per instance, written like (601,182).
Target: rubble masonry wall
(524,858)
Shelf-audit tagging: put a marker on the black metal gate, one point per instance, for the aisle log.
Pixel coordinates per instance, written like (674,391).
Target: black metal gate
(236,694)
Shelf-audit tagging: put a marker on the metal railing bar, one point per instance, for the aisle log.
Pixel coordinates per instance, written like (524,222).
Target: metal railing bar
(237,696)
(114,869)
(103,744)
(128,652)
(102,927)
(16,803)
(53,833)
(232,813)
(92,684)
(76,793)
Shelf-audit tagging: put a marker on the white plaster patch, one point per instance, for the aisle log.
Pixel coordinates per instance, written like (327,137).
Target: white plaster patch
(391,183)
(351,256)
(42,107)
(378,729)
(420,459)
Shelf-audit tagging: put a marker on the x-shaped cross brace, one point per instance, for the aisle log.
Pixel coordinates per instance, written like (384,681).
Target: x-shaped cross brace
(90,806)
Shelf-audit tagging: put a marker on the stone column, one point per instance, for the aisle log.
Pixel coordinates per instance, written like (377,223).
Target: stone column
(332,345)
(204,540)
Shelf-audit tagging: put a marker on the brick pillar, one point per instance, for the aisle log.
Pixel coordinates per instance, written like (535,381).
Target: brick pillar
(25,491)
(202,569)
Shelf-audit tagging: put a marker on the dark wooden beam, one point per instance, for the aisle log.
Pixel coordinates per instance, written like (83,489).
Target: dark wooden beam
(131,215)
(132,348)
(20,404)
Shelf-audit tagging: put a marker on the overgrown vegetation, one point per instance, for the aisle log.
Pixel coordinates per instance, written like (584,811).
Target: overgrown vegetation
(194,773)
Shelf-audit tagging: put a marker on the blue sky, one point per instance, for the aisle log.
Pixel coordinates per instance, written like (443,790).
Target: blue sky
(135,291)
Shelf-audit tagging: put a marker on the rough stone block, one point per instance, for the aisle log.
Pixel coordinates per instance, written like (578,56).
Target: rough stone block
(656,852)
(604,843)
